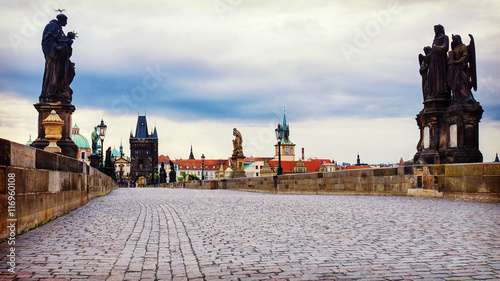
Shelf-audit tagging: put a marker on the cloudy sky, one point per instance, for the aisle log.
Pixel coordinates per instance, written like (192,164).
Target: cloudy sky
(346,71)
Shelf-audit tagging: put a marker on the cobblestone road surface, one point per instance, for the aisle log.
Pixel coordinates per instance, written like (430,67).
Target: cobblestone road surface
(178,234)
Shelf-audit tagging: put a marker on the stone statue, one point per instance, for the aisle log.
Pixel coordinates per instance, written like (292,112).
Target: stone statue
(163,174)
(237,143)
(424,61)
(462,68)
(95,139)
(438,66)
(59,70)
(172,174)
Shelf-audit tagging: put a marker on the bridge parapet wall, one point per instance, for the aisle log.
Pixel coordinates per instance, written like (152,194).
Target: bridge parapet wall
(44,186)
(478,182)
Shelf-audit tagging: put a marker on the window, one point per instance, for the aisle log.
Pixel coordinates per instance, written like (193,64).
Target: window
(83,155)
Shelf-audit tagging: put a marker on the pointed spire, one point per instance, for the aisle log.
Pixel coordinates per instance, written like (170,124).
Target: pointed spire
(191,156)
(121,148)
(496,158)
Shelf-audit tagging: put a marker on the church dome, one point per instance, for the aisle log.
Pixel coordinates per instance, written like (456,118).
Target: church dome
(78,139)
(115,153)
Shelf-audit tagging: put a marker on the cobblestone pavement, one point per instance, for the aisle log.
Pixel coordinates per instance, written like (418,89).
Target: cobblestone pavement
(179,234)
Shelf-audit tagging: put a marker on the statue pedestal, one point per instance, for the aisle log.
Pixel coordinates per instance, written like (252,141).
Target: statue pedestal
(95,160)
(68,147)
(449,132)
(238,166)
(463,119)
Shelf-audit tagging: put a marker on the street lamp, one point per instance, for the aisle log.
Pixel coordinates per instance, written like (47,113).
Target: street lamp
(102,132)
(202,166)
(279,135)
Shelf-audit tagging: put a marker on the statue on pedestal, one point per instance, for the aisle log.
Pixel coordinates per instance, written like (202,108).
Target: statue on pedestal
(237,159)
(449,123)
(59,70)
(58,74)
(172,175)
(163,173)
(237,143)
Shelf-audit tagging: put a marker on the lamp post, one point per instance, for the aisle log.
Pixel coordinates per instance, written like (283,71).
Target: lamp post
(202,167)
(279,135)
(102,133)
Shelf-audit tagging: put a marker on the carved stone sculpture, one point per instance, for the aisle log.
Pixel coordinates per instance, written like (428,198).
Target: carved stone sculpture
(462,69)
(438,66)
(237,143)
(449,124)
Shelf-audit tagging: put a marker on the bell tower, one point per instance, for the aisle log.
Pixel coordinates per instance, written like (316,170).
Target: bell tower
(287,147)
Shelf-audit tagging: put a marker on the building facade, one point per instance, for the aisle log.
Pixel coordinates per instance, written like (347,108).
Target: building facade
(82,143)
(143,152)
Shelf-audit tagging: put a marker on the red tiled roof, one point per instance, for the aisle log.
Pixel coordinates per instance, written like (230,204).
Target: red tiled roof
(312,166)
(195,164)
(355,167)
(287,166)
(163,158)
(324,161)
(250,159)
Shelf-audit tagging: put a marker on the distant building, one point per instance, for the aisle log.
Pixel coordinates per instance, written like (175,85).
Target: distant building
(143,152)
(296,167)
(253,165)
(122,166)
(84,149)
(29,142)
(287,148)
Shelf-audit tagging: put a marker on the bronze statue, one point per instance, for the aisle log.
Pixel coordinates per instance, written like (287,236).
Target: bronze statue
(59,70)
(462,68)
(172,174)
(237,143)
(163,173)
(424,61)
(95,139)
(438,67)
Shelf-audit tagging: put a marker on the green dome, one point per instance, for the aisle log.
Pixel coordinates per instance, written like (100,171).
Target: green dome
(29,142)
(115,152)
(80,141)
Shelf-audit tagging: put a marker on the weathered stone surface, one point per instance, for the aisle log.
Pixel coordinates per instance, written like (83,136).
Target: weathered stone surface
(385,172)
(22,155)
(491,169)
(462,184)
(37,181)
(464,170)
(489,184)
(46,160)
(5,148)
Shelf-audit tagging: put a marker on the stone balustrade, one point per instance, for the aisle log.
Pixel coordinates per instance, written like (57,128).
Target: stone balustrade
(478,182)
(43,186)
